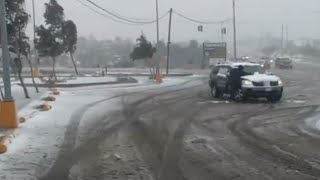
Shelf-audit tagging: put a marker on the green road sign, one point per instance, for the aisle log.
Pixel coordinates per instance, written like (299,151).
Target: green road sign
(215,50)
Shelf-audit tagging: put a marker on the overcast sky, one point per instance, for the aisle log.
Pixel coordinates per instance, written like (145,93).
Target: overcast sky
(254,18)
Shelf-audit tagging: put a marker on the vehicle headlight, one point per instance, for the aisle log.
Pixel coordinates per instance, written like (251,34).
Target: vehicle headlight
(280,83)
(247,83)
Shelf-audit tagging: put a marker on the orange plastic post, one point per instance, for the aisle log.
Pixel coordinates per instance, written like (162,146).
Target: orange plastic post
(36,72)
(158,78)
(3,147)
(8,115)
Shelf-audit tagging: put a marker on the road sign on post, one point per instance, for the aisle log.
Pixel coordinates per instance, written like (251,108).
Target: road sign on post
(214,51)
(8,114)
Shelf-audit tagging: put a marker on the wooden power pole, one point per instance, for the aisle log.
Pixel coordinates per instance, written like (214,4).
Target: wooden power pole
(169,41)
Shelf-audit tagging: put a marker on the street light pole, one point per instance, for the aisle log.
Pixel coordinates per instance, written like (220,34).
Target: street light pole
(234,30)
(8,114)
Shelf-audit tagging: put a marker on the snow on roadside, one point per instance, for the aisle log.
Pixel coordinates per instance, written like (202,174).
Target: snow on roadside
(29,81)
(19,97)
(38,140)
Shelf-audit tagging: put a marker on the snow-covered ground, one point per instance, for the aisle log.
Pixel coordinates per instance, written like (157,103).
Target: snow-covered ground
(18,94)
(29,81)
(40,137)
(38,141)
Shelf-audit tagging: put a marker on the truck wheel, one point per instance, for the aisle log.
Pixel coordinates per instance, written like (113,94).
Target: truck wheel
(215,92)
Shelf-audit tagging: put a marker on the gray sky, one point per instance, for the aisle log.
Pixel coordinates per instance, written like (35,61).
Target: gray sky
(255,17)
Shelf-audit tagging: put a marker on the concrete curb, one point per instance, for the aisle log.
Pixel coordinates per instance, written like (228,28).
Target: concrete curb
(120,80)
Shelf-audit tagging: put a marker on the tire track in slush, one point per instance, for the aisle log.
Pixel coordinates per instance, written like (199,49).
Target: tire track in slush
(268,149)
(68,155)
(62,165)
(163,151)
(239,126)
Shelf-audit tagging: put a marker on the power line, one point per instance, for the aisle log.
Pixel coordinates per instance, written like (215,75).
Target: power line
(201,22)
(106,16)
(125,19)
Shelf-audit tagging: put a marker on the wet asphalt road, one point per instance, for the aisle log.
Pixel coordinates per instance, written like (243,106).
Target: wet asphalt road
(181,133)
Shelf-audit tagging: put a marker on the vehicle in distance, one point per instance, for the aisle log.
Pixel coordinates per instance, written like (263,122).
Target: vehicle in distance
(257,83)
(283,63)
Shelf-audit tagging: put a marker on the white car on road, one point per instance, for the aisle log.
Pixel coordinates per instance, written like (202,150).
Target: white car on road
(257,83)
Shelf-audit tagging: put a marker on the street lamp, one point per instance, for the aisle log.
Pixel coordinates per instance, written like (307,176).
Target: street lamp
(8,114)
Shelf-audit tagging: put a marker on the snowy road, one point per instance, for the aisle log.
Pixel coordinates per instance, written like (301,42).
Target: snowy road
(176,131)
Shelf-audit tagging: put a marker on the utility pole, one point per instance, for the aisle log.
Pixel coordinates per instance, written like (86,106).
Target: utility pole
(158,58)
(157,14)
(282,38)
(8,114)
(222,30)
(287,37)
(169,41)
(234,30)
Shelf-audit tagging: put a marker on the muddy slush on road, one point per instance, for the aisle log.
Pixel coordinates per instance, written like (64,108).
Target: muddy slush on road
(181,133)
